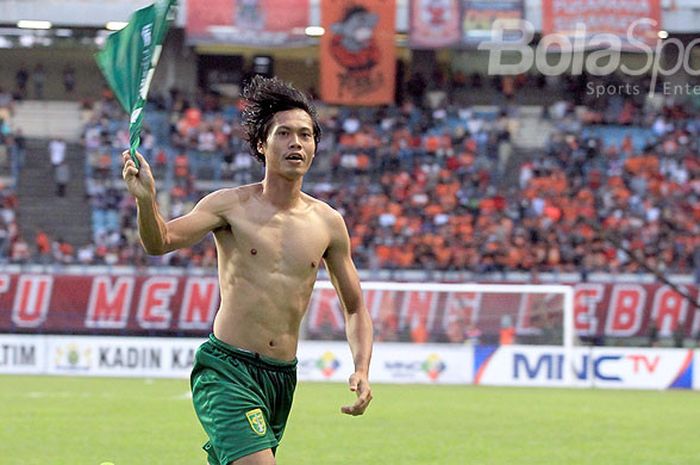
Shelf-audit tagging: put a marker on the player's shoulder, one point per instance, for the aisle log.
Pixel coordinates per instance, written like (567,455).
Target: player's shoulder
(241,193)
(229,196)
(325,211)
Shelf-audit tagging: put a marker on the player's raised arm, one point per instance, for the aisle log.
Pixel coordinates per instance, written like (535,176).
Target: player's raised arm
(157,235)
(358,323)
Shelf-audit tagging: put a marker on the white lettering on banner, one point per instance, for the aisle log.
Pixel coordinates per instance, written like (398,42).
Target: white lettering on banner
(32,299)
(461,306)
(625,310)
(325,309)
(536,307)
(129,357)
(154,306)
(418,309)
(669,310)
(695,329)
(190,304)
(587,297)
(108,305)
(4,283)
(380,303)
(199,303)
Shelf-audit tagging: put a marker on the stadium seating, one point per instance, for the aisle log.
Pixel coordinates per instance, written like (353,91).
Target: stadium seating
(435,188)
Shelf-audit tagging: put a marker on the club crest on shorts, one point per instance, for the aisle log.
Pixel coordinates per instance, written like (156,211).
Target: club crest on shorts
(257,421)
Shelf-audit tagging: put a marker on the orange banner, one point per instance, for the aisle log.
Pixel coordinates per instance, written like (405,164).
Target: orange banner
(358,52)
(248,22)
(617,18)
(434,23)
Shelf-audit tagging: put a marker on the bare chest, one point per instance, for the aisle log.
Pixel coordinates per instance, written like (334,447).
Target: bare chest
(290,244)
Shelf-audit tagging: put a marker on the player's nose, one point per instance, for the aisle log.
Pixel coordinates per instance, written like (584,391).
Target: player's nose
(295,140)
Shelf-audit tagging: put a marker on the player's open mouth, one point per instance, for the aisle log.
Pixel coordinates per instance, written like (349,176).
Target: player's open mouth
(294,157)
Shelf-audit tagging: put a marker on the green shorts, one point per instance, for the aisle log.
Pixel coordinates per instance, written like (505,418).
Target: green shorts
(242,399)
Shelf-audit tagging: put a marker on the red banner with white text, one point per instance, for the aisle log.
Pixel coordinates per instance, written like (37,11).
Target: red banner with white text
(640,19)
(167,305)
(248,22)
(358,52)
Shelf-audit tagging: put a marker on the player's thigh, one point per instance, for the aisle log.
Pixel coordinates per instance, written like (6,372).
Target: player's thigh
(264,457)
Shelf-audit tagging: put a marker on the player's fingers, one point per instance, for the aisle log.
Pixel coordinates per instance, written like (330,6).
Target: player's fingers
(141,159)
(138,156)
(348,410)
(129,165)
(127,158)
(360,405)
(363,401)
(358,408)
(129,170)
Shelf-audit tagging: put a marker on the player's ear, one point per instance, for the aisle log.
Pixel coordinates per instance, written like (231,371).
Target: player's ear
(261,148)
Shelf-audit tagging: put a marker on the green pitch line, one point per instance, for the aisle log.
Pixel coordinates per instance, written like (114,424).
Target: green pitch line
(93,421)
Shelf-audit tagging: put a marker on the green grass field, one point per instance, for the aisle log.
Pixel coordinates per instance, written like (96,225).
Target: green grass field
(88,421)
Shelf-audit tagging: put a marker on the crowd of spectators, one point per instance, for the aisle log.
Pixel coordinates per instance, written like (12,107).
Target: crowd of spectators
(433,187)
(12,146)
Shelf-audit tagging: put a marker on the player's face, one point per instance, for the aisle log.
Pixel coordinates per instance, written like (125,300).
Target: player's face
(290,146)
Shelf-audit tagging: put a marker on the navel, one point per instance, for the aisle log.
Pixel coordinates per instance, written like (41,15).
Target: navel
(271,343)
(313,264)
(253,251)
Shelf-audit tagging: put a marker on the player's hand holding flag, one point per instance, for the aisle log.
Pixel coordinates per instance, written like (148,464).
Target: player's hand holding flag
(129,58)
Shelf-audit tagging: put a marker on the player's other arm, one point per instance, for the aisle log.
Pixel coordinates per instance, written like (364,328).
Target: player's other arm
(358,324)
(158,236)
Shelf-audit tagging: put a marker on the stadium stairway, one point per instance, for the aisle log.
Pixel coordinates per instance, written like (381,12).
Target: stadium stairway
(531,138)
(41,118)
(67,217)
(533,131)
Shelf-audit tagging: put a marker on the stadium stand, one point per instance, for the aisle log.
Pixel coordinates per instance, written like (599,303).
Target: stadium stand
(429,186)
(426,185)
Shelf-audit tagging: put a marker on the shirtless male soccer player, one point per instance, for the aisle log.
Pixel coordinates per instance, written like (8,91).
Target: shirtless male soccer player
(270,240)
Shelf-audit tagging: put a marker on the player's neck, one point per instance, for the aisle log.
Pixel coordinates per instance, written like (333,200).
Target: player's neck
(281,192)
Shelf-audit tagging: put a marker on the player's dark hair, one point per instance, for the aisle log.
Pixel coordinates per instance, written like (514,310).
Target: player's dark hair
(263,98)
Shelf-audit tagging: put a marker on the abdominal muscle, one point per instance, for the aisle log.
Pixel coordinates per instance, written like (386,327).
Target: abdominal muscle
(263,319)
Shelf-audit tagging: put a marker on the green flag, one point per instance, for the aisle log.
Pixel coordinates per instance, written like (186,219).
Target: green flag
(129,58)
